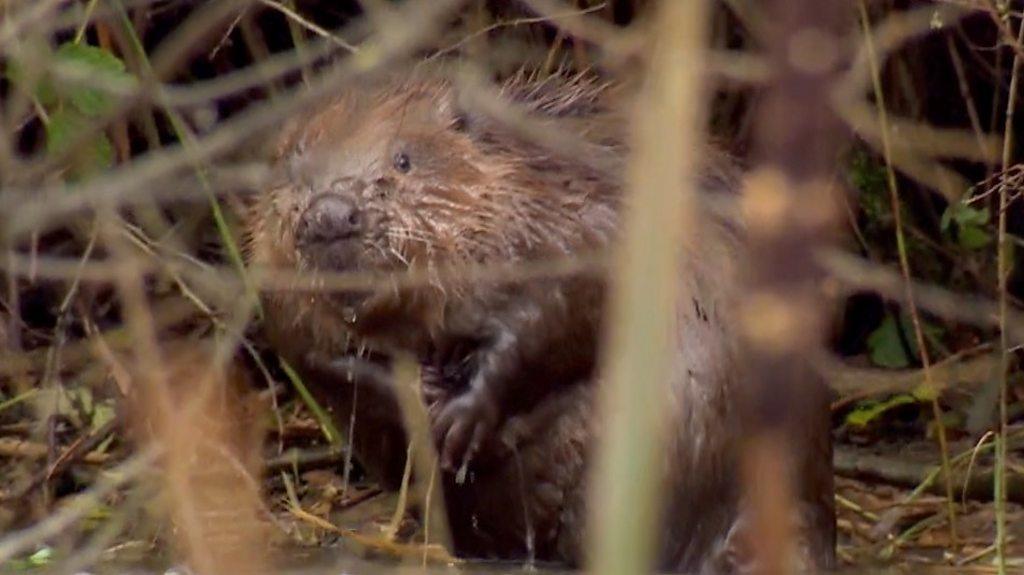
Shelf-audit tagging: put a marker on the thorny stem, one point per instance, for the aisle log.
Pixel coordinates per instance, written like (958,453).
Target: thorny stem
(905,270)
(1003,270)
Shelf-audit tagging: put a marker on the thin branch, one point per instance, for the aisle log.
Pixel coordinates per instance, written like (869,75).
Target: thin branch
(915,316)
(414,25)
(78,507)
(308,25)
(1003,272)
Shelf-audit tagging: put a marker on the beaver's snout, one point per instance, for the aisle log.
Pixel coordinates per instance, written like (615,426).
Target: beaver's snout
(329,218)
(329,233)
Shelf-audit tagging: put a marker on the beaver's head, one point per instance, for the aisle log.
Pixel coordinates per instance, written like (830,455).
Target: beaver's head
(397,176)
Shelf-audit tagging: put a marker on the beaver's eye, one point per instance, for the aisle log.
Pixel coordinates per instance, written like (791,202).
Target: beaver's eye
(401,162)
(460,123)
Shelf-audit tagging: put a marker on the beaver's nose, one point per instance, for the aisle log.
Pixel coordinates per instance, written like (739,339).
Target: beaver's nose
(329,217)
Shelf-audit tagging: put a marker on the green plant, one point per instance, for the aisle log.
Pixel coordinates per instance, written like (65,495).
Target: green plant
(970,225)
(888,348)
(68,107)
(871,409)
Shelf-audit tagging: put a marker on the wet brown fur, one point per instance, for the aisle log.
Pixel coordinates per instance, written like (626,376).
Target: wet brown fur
(473,199)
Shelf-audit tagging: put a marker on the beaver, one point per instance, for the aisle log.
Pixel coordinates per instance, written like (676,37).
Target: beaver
(399,174)
(527,337)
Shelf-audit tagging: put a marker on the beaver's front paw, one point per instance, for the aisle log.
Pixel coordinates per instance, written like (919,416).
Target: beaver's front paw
(463,425)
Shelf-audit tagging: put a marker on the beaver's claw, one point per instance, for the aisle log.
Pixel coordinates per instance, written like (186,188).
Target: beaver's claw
(463,425)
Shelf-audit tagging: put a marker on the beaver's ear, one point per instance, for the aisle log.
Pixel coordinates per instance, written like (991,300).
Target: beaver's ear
(286,139)
(460,121)
(452,111)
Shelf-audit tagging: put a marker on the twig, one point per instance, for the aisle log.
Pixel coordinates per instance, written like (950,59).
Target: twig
(590,29)
(32,450)
(422,452)
(857,273)
(79,506)
(970,464)
(113,527)
(856,464)
(187,138)
(1000,15)
(922,346)
(311,26)
(666,146)
(1003,272)
(913,152)
(305,458)
(965,93)
(24,19)
(414,25)
(274,404)
(282,279)
(511,24)
(1011,179)
(483,97)
(435,553)
(853,383)
(81,450)
(89,8)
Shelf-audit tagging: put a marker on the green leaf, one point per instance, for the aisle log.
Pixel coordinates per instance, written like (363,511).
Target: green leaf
(924,392)
(866,174)
(24,69)
(968,215)
(973,238)
(39,86)
(102,413)
(868,411)
(970,223)
(41,557)
(964,215)
(89,62)
(98,64)
(61,129)
(947,217)
(885,347)
(887,350)
(869,177)
(93,156)
(99,156)
(932,333)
